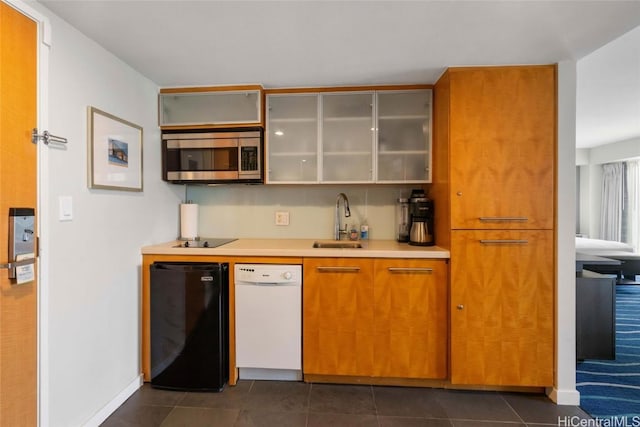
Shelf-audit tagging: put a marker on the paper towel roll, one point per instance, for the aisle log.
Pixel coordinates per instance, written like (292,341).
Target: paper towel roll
(188,221)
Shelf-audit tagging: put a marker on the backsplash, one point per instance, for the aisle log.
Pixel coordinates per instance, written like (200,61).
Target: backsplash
(248,211)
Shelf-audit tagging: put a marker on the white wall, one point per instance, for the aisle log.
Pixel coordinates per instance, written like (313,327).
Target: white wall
(249,210)
(565,391)
(91,306)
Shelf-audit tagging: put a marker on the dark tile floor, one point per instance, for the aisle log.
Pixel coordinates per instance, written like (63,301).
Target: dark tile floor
(284,404)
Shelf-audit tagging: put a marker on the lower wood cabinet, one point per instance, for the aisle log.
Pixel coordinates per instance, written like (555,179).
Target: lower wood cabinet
(375,317)
(337,316)
(410,318)
(502,307)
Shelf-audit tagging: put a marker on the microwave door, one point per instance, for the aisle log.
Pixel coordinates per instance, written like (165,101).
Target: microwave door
(225,159)
(194,159)
(202,160)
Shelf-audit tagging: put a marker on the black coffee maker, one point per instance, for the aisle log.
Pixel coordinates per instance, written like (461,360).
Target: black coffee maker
(421,213)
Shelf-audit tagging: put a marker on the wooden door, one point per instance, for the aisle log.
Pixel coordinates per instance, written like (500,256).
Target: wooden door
(502,307)
(337,303)
(18,303)
(410,299)
(502,147)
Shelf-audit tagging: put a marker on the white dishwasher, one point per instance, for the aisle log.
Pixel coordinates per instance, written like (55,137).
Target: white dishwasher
(268,305)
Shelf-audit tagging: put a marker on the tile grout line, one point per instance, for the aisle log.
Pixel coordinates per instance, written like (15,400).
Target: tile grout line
(375,406)
(512,408)
(167,416)
(306,421)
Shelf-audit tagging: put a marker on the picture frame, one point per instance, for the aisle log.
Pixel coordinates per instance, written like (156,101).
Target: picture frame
(115,152)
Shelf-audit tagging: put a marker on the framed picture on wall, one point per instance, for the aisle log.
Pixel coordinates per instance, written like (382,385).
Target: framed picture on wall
(115,152)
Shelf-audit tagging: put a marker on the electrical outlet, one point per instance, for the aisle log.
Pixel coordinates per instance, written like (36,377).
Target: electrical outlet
(282,218)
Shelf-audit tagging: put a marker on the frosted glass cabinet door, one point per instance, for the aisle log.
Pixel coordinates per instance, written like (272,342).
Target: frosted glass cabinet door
(347,137)
(216,107)
(404,136)
(292,138)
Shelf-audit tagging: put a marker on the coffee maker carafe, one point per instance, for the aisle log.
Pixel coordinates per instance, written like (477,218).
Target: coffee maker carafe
(421,212)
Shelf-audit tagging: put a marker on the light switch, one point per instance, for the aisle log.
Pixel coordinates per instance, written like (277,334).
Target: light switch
(66,208)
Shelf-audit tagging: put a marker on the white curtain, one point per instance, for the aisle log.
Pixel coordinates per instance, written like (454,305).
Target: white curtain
(633,204)
(612,201)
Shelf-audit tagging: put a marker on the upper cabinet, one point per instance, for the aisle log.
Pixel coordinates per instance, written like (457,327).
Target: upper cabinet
(404,136)
(293,147)
(349,136)
(228,106)
(502,132)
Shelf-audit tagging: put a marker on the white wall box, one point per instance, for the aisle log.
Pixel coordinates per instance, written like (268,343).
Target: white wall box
(213,106)
(349,136)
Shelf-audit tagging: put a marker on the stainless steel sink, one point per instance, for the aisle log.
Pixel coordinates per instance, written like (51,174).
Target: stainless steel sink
(337,245)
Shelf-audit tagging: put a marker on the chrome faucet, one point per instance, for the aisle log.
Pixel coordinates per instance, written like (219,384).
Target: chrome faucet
(338,231)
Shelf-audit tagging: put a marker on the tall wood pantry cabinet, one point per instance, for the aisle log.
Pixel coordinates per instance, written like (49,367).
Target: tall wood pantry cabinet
(494,186)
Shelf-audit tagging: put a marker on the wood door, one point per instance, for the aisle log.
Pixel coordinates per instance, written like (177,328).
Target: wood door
(502,307)
(502,147)
(18,303)
(410,299)
(337,319)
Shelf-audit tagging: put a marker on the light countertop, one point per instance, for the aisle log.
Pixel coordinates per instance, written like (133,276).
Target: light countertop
(302,248)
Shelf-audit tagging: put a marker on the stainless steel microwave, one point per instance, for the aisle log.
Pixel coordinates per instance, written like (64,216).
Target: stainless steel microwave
(213,156)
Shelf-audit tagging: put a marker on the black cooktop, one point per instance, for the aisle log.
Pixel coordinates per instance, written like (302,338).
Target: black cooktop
(205,242)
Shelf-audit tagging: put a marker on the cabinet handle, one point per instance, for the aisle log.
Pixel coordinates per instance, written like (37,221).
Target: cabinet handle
(503,242)
(460,307)
(503,219)
(338,269)
(410,270)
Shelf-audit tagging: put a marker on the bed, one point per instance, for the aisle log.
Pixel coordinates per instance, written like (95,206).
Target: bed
(627,272)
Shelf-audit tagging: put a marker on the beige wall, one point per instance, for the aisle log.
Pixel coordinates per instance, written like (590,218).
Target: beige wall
(249,210)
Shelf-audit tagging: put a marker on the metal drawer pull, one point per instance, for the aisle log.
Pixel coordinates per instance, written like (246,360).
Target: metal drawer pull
(503,219)
(410,270)
(338,269)
(504,242)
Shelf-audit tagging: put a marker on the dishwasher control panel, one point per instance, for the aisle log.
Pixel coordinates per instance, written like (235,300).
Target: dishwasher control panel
(268,273)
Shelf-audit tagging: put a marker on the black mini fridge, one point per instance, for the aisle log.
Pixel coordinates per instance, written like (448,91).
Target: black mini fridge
(189,329)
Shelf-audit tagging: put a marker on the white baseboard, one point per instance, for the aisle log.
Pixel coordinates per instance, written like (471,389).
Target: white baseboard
(111,407)
(564,397)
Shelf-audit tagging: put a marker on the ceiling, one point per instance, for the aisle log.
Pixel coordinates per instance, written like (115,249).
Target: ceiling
(331,43)
(608,93)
